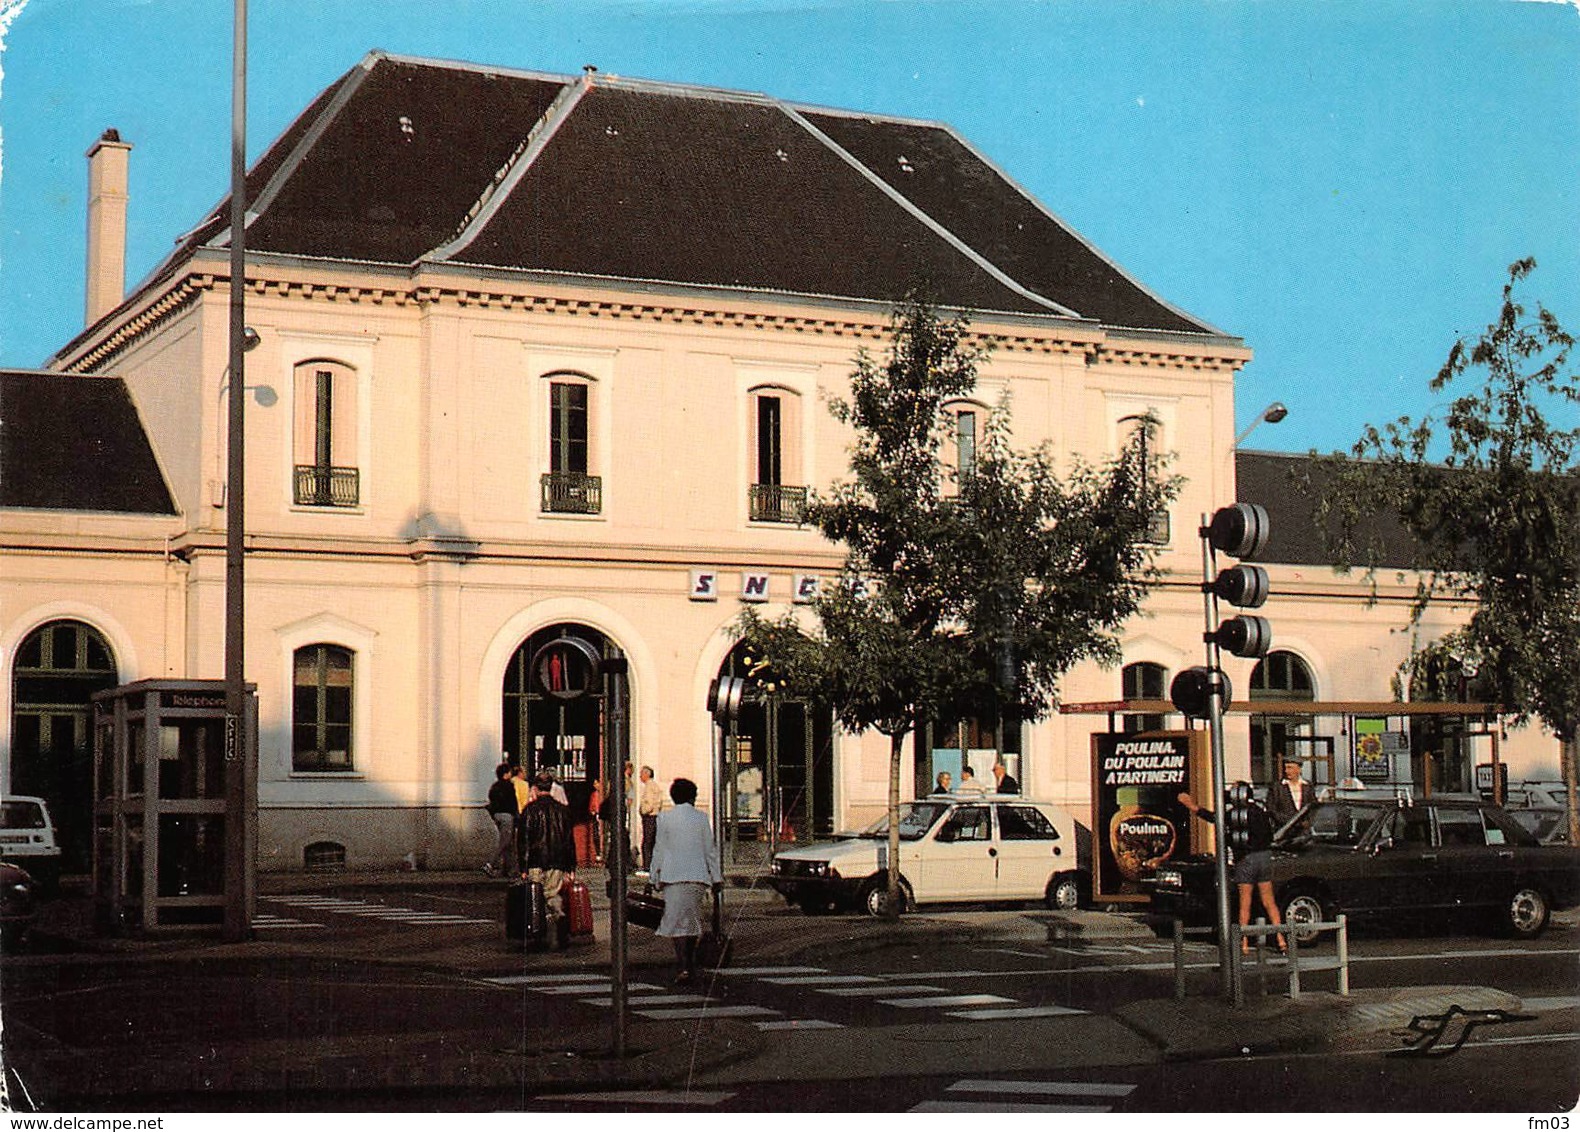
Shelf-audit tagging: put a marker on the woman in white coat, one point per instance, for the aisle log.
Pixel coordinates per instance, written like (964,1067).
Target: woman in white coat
(685,867)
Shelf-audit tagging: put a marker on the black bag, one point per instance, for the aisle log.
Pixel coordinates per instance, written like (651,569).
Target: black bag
(645,909)
(527,914)
(715,946)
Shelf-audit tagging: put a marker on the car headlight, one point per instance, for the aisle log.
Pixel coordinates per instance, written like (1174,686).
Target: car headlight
(1168,878)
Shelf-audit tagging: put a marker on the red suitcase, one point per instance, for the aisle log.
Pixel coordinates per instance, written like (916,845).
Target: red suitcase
(578,909)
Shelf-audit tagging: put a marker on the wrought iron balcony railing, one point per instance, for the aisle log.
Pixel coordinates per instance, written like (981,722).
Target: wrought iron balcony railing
(777,503)
(572,493)
(318,486)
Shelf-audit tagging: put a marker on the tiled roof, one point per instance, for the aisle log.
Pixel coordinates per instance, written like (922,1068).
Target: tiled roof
(408,160)
(1278,482)
(75,443)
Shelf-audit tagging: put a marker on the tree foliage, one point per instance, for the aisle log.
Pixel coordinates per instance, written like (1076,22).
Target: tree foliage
(1490,499)
(963,591)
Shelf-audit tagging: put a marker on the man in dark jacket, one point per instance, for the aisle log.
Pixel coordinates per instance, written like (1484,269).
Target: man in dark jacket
(1286,796)
(502,810)
(545,841)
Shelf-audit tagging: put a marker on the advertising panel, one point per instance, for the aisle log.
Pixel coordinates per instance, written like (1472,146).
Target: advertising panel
(1138,820)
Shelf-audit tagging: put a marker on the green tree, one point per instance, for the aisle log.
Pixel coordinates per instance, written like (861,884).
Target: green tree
(1494,522)
(963,590)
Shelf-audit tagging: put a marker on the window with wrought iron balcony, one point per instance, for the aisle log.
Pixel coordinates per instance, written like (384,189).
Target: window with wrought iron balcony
(777,503)
(319,485)
(572,493)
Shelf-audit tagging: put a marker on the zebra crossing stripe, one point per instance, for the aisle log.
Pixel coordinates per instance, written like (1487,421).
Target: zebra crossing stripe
(874,991)
(549,980)
(1045,1088)
(993,1013)
(649,1097)
(824,980)
(272,923)
(757,971)
(696,1012)
(798,1024)
(653,1000)
(946,1000)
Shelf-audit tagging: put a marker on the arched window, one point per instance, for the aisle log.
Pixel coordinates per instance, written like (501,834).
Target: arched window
(324,435)
(323,688)
(1144,681)
(778,493)
(1286,677)
(58,667)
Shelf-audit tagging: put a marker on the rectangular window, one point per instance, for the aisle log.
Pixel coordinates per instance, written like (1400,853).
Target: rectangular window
(770,443)
(323,422)
(568,427)
(321,731)
(966,443)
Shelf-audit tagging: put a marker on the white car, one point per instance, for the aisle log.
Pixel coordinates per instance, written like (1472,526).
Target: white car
(27,838)
(953,849)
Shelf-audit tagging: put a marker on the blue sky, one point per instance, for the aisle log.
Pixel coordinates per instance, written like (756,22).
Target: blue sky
(1341,184)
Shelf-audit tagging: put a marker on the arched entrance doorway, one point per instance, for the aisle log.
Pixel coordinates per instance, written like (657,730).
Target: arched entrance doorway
(1284,676)
(777,772)
(58,668)
(543,727)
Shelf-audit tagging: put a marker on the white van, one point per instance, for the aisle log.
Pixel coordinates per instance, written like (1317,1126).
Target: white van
(27,838)
(954,848)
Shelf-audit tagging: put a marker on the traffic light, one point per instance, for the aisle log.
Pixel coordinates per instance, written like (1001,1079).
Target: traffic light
(1238,817)
(1240,530)
(1193,689)
(724,697)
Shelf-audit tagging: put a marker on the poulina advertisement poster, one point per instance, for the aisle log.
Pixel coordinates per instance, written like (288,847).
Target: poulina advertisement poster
(1139,822)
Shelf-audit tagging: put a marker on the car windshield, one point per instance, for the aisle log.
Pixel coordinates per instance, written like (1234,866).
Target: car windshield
(916,818)
(1331,823)
(21,815)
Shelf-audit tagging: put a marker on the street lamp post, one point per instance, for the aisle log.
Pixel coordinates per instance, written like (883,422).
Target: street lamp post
(238,914)
(1274,413)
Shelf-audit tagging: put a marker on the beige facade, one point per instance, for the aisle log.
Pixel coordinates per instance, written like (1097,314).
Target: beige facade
(440,385)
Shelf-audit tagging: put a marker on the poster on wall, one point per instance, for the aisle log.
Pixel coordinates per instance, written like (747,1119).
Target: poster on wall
(1138,820)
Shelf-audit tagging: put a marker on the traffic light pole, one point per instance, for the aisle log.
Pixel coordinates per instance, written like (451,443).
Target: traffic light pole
(1228,952)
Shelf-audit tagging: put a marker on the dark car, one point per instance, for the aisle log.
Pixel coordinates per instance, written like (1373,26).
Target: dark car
(18,904)
(1403,860)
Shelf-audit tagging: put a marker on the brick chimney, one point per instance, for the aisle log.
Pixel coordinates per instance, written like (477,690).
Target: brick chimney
(107,190)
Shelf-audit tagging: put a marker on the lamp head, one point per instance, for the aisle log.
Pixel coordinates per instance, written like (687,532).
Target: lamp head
(249,339)
(1275,412)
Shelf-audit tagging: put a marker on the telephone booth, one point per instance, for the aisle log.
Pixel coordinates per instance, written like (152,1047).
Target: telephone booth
(162,814)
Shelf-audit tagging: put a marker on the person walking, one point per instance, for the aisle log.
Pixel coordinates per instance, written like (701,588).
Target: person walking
(547,844)
(650,802)
(1286,796)
(685,869)
(502,810)
(1253,866)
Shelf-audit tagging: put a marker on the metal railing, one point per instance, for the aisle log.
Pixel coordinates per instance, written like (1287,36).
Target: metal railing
(318,486)
(1259,931)
(572,493)
(777,503)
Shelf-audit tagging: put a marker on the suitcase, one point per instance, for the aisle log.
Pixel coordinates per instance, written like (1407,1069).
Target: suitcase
(644,909)
(527,914)
(578,910)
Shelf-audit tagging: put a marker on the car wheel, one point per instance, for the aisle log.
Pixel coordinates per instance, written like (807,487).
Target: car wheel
(1304,908)
(1064,893)
(875,896)
(1525,914)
